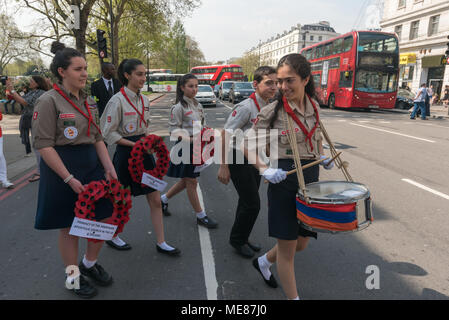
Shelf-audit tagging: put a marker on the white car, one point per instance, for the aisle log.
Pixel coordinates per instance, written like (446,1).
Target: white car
(206,95)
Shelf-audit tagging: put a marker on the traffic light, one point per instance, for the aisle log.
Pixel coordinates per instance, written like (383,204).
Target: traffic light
(102,45)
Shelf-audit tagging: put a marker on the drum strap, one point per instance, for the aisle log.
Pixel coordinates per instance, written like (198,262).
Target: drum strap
(294,145)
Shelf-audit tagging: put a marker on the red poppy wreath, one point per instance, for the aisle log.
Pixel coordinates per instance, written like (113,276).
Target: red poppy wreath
(135,162)
(112,190)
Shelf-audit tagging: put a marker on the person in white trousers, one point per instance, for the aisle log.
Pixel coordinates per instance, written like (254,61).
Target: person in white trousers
(3,175)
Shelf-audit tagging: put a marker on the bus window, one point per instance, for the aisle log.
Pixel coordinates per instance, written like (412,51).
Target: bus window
(337,46)
(347,44)
(307,54)
(327,49)
(345,79)
(313,54)
(319,52)
(317,80)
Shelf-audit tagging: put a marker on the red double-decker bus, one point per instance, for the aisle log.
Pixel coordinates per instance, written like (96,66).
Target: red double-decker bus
(359,69)
(213,75)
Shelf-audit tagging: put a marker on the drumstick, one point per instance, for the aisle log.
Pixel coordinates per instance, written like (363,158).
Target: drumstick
(311,164)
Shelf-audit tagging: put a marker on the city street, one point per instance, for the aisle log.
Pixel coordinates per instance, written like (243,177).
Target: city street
(403,162)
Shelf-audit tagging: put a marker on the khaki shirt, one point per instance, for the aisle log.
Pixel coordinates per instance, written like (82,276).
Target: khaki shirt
(120,120)
(183,117)
(57,123)
(308,119)
(243,116)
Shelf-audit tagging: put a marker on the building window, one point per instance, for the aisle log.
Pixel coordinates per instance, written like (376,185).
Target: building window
(414,30)
(398,31)
(311,38)
(320,38)
(433,25)
(401,4)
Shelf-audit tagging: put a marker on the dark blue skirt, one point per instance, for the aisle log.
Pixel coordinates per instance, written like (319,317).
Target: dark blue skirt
(56,199)
(183,170)
(120,161)
(282,221)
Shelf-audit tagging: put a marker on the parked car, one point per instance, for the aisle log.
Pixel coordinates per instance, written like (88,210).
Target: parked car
(206,95)
(223,92)
(240,91)
(216,90)
(404,99)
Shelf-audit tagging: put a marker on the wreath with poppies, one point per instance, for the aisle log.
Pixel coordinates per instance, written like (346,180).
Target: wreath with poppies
(207,141)
(112,190)
(144,145)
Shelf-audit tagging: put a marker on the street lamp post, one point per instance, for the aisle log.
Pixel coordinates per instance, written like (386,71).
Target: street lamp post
(304,35)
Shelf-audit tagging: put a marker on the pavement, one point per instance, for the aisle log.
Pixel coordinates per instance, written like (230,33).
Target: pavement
(14,150)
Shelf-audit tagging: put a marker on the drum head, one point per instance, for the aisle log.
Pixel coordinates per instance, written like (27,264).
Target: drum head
(337,192)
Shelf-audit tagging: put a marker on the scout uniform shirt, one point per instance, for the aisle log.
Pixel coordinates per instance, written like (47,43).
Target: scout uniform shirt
(243,116)
(57,123)
(308,119)
(120,120)
(183,117)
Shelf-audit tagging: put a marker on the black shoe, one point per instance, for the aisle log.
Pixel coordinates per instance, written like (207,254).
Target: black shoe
(244,250)
(207,222)
(174,252)
(97,274)
(126,246)
(86,291)
(272,281)
(255,247)
(165,209)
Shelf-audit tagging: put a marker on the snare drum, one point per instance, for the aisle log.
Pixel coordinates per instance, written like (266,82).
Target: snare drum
(335,207)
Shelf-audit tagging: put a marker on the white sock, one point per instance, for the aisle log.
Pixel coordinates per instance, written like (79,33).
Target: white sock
(264,266)
(165,246)
(164,198)
(88,264)
(118,241)
(201,214)
(297,298)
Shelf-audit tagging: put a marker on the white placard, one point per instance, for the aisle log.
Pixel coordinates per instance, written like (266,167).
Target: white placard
(198,169)
(153,182)
(92,229)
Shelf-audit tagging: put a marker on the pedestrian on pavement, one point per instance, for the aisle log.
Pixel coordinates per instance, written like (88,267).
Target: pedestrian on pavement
(429,100)
(420,103)
(183,115)
(446,97)
(69,140)
(125,121)
(296,100)
(104,88)
(37,87)
(5,183)
(244,176)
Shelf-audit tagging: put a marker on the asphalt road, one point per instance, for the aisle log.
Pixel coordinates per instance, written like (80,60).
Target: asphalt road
(403,162)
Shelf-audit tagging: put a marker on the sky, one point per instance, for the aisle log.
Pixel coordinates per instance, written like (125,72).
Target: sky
(228,28)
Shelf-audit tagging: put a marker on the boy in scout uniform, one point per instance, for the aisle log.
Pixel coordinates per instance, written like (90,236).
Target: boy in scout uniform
(245,177)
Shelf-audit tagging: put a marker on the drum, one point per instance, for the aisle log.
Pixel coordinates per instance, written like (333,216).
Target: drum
(335,207)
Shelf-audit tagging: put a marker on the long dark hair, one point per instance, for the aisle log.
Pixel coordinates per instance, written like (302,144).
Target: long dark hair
(62,58)
(128,66)
(182,82)
(41,83)
(299,64)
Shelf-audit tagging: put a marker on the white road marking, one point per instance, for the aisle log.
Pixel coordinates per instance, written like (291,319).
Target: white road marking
(396,133)
(416,184)
(207,256)
(220,119)
(385,122)
(228,107)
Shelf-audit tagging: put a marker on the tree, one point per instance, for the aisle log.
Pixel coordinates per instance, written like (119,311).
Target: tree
(12,46)
(249,63)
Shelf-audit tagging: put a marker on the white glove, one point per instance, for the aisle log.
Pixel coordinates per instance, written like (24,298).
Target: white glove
(327,164)
(275,175)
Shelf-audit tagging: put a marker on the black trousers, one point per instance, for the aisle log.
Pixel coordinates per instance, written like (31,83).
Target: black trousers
(246,180)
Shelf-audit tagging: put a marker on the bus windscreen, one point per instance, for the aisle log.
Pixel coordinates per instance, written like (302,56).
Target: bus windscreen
(377,42)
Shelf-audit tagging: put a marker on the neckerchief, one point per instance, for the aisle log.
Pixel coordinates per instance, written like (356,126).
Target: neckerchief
(141,115)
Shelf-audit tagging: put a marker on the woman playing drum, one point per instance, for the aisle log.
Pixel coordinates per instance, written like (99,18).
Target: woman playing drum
(296,100)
